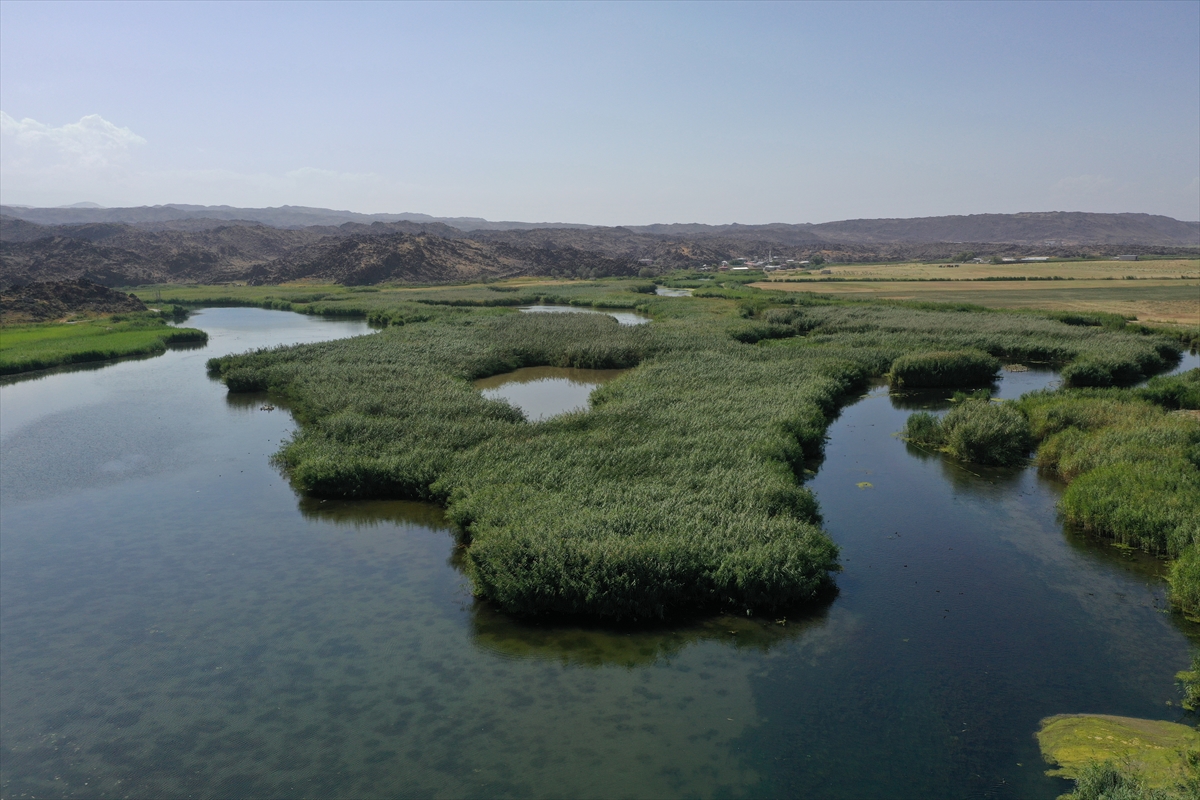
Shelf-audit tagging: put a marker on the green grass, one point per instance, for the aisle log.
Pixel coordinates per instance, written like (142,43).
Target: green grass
(24,348)
(679,492)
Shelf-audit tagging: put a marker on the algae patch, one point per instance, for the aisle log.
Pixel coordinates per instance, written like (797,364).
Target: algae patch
(1155,748)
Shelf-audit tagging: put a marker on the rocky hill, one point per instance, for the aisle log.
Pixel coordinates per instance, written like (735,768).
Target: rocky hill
(41,302)
(208,250)
(1057,227)
(1066,227)
(281,217)
(424,258)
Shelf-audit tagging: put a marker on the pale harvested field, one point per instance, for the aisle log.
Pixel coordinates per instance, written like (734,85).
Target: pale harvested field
(1174,302)
(1169,268)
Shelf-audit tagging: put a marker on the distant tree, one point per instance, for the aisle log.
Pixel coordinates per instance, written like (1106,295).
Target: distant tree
(966,255)
(997,260)
(817,261)
(645,272)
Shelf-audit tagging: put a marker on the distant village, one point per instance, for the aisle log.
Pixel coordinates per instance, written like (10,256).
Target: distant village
(771,264)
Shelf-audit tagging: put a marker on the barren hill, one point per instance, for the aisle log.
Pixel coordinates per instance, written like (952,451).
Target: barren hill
(210,250)
(425,258)
(39,302)
(1059,227)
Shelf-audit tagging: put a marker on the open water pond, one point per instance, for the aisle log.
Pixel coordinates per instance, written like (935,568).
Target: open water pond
(543,392)
(175,621)
(623,317)
(664,291)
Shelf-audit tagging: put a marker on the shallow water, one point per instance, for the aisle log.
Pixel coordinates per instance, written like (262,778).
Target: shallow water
(623,317)
(175,621)
(663,291)
(1190,360)
(543,392)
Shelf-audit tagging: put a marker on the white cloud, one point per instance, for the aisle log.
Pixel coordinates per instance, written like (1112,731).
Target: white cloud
(91,142)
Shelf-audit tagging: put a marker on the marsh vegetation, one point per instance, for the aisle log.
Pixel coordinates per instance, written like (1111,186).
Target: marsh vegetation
(431,693)
(681,490)
(24,348)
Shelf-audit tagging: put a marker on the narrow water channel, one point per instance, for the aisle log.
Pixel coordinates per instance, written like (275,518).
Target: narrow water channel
(175,621)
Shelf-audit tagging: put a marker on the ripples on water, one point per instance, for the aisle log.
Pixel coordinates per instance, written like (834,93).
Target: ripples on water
(176,621)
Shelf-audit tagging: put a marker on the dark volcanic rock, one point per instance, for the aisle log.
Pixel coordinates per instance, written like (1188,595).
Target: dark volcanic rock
(40,302)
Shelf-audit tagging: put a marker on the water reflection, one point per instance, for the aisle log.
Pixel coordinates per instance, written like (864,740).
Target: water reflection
(592,646)
(623,317)
(374,513)
(544,392)
(86,366)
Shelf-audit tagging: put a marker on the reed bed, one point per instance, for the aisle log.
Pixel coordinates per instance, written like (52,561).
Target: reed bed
(976,430)
(943,368)
(679,492)
(1133,469)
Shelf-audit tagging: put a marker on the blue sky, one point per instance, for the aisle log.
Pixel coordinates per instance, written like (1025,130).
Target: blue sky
(606,113)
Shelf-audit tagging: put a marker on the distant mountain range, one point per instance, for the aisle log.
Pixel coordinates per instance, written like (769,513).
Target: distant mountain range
(281,217)
(178,243)
(1065,227)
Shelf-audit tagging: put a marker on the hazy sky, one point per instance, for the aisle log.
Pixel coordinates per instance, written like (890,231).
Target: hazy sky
(608,113)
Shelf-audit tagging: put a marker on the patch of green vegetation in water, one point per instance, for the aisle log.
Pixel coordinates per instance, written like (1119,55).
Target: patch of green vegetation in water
(678,493)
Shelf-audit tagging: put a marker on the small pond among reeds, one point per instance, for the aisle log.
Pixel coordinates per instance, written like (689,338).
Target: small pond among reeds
(543,392)
(623,317)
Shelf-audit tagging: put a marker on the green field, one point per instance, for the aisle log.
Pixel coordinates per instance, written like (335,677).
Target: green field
(24,348)
(681,490)
(1170,302)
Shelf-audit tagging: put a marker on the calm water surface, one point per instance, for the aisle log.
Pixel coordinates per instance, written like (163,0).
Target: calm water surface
(543,392)
(175,621)
(623,317)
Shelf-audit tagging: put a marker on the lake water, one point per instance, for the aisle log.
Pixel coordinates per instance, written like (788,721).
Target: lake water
(175,621)
(623,317)
(543,392)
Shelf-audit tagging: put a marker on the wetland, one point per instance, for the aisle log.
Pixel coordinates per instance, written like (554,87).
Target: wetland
(178,619)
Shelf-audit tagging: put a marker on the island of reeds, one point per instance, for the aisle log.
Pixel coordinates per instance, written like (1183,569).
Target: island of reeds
(681,490)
